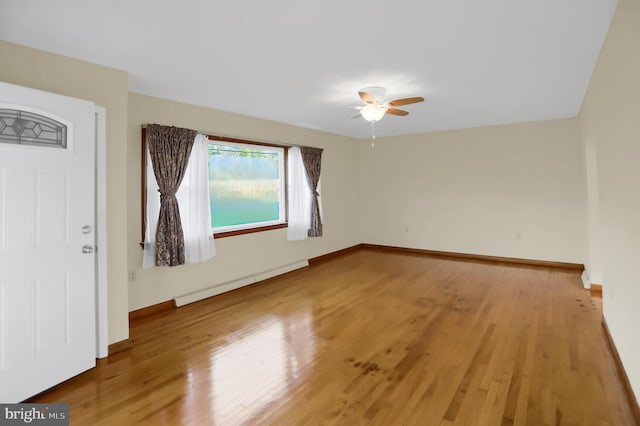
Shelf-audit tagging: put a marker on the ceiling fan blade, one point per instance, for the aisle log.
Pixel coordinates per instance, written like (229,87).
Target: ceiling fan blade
(357,115)
(406,101)
(396,111)
(367,98)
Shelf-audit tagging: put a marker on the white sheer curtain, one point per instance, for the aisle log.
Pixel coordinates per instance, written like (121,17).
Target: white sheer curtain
(151,215)
(299,197)
(195,208)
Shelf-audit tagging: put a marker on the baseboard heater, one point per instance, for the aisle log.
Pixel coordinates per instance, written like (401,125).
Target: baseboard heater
(195,296)
(586,282)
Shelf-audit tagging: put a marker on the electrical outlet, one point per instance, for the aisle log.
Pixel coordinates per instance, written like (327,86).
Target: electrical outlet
(132,276)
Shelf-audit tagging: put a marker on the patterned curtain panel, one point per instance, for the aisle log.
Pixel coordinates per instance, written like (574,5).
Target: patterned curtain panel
(169,148)
(311,157)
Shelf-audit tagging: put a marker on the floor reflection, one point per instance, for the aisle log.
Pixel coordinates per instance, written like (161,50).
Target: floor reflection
(260,365)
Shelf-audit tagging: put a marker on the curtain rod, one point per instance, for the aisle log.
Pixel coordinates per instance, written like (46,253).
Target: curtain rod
(235,138)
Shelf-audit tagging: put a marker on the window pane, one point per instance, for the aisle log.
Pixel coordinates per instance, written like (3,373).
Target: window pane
(28,128)
(244,184)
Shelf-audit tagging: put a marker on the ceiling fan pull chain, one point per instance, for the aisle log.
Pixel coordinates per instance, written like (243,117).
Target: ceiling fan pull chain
(373,132)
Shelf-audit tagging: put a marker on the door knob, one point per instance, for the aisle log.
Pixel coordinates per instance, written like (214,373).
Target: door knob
(86,249)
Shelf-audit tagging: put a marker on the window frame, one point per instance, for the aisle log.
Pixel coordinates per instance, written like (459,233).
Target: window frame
(283,218)
(213,139)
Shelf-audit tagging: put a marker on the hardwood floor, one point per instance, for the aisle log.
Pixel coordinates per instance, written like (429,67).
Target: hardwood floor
(367,338)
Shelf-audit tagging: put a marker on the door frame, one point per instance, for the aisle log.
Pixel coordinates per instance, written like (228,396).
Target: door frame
(102,296)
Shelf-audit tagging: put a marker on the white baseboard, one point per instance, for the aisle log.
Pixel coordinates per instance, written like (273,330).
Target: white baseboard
(195,296)
(586,282)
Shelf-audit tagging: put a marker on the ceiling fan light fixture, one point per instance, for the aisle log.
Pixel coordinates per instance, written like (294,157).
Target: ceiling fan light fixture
(374,112)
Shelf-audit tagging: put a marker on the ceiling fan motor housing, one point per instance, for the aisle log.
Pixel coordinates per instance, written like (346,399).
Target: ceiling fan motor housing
(377,92)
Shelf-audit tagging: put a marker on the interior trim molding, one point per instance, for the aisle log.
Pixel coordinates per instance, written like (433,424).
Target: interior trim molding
(222,288)
(101,234)
(596,290)
(151,310)
(633,402)
(120,346)
(331,255)
(205,293)
(478,257)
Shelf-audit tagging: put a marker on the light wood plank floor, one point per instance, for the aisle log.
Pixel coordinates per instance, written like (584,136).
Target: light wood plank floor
(367,338)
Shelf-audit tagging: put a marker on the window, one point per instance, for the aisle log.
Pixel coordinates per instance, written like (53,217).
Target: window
(28,128)
(247,186)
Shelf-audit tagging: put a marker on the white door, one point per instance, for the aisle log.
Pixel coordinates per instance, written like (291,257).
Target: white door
(47,214)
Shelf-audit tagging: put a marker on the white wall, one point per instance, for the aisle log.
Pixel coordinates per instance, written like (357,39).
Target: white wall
(512,191)
(593,265)
(248,254)
(610,119)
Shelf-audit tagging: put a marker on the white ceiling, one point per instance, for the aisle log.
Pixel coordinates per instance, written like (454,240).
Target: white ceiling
(477,63)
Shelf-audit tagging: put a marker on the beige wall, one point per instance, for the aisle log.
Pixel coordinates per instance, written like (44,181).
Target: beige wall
(106,87)
(610,119)
(514,191)
(244,255)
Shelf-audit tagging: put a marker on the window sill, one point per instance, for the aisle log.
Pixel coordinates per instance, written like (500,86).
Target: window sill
(242,231)
(249,230)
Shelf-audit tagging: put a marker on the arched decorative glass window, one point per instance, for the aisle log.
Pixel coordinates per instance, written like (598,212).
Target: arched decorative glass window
(28,128)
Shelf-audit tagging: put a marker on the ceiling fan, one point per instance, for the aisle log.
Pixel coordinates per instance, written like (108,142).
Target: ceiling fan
(375,107)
